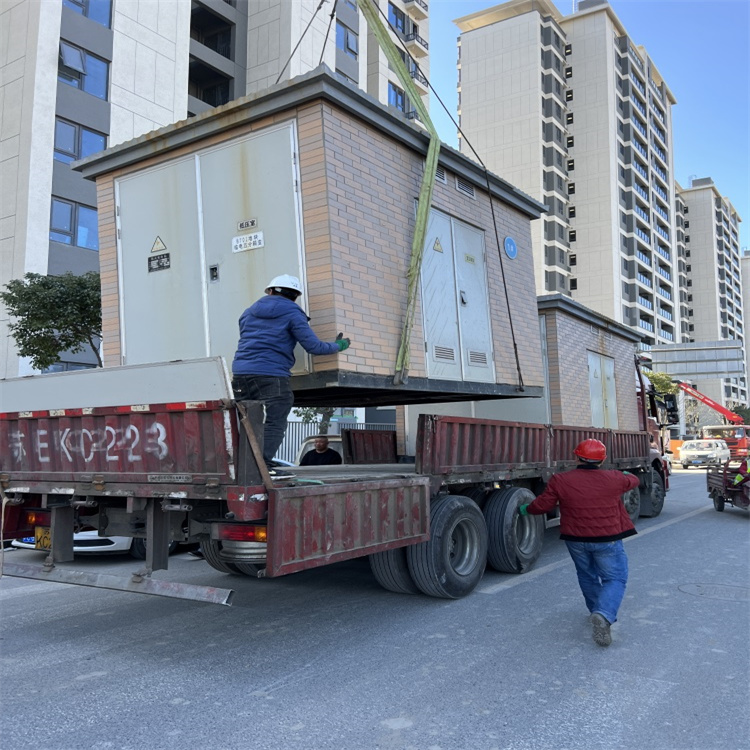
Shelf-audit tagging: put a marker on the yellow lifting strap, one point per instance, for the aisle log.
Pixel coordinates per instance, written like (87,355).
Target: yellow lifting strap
(370,12)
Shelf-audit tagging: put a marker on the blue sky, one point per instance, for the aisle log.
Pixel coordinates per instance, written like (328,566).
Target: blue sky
(701,48)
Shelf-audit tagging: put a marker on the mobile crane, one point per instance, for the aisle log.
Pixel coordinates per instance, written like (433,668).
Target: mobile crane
(735,434)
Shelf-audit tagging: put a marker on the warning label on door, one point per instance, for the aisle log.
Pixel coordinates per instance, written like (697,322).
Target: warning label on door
(158,246)
(158,262)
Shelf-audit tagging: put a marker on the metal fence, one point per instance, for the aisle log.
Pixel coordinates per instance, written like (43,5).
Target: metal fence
(296,432)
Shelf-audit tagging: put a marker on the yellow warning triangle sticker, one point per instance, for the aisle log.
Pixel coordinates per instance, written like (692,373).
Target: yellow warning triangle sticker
(437,247)
(158,246)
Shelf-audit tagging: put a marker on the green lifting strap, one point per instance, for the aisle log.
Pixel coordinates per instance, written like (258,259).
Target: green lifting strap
(370,12)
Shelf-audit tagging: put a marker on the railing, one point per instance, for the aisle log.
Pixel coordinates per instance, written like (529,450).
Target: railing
(659,191)
(641,212)
(638,189)
(640,148)
(641,171)
(417,76)
(646,325)
(659,151)
(659,114)
(664,253)
(414,37)
(663,232)
(644,280)
(643,235)
(659,210)
(638,106)
(663,272)
(646,302)
(666,335)
(643,258)
(638,125)
(638,84)
(634,55)
(664,313)
(659,171)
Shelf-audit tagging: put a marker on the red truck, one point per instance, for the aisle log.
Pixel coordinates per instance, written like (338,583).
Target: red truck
(105,449)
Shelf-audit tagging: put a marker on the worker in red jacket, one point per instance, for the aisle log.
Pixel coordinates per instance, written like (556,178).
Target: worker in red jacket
(593,523)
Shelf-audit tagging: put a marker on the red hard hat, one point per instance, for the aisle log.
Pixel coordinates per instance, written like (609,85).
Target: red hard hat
(591,450)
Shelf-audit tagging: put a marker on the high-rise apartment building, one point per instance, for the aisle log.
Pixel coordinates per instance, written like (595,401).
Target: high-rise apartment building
(714,268)
(81,75)
(572,111)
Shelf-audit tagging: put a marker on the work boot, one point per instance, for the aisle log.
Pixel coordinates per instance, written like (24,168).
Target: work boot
(601,634)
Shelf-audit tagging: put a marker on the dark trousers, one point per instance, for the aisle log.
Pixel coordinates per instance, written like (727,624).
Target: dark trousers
(278,399)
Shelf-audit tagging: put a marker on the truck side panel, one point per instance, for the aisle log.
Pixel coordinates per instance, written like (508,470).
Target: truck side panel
(152,445)
(312,526)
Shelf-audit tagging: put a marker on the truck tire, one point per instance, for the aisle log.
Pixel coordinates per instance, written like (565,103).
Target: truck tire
(515,541)
(391,571)
(632,502)
(719,502)
(211,549)
(652,497)
(249,569)
(138,548)
(451,562)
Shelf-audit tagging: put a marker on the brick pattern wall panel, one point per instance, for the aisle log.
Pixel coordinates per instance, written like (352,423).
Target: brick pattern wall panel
(569,340)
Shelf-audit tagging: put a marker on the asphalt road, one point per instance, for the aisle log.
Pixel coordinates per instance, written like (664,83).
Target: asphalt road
(327,660)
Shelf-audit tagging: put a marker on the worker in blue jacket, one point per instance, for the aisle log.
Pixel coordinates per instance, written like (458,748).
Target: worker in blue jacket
(262,367)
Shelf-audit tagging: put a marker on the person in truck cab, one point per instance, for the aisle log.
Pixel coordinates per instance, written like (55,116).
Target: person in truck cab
(321,455)
(593,523)
(262,367)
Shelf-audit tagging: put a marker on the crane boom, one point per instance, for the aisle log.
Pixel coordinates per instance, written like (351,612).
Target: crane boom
(730,415)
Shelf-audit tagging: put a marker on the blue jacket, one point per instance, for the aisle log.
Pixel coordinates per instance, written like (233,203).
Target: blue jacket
(269,331)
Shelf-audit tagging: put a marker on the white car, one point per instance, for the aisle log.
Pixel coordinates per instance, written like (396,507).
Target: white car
(91,542)
(703,453)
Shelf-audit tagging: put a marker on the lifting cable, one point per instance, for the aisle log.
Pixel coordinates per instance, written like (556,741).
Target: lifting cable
(370,11)
(387,45)
(296,46)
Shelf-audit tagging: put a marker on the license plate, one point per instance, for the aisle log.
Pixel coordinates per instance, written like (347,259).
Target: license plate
(42,538)
(697,462)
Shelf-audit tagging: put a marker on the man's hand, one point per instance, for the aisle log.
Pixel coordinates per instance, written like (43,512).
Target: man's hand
(342,343)
(523,510)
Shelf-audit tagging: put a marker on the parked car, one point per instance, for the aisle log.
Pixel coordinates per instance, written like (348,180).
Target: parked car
(90,542)
(703,453)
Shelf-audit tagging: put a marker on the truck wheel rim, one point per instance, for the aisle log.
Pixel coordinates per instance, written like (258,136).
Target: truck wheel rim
(464,544)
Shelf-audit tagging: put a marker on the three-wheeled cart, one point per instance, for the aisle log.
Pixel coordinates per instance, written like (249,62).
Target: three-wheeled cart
(729,483)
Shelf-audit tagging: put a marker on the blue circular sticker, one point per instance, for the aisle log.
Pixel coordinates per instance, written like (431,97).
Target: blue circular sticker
(510,247)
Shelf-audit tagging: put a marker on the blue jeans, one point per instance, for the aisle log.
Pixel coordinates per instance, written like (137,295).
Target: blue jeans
(602,569)
(278,399)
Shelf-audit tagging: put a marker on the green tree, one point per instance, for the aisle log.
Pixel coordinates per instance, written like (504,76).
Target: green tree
(661,382)
(320,415)
(54,314)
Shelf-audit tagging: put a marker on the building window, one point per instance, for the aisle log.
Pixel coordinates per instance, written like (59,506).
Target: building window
(571,141)
(571,188)
(568,49)
(74,224)
(571,165)
(397,18)
(572,235)
(73,141)
(569,118)
(96,10)
(569,95)
(568,72)
(67,367)
(573,285)
(396,97)
(572,259)
(347,40)
(82,70)
(572,212)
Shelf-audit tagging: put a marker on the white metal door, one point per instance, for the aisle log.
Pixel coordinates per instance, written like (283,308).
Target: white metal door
(251,225)
(439,313)
(602,389)
(161,290)
(473,304)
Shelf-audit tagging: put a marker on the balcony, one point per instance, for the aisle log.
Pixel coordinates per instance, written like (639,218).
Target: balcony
(664,253)
(644,280)
(419,79)
(659,210)
(663,232)
(664,313)
(660,192)
(641,171)
(659,171)
(646,325)
(666,335)
(664,293)
(643,258)
(647,303)
(638,189)
(638,106)
(643,214)
(416,45)
(663,272)
(643,235)
(417,9)
(659,152)
(639,148)
(638,125)
(638,84)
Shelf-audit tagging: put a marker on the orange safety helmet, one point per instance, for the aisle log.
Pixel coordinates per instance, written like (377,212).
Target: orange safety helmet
(591,450)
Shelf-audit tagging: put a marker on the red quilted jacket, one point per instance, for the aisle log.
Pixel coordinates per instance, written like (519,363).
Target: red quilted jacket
(590,500)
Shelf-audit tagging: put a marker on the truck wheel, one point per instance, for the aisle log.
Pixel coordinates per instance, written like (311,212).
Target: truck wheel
(391,571)
(718,502)
(515,541)
(652,498)
(248,569)
(138,548)
(632,502)
(211,549)
(451,562)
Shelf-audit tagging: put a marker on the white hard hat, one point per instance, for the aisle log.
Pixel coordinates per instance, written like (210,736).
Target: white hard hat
(285,281)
